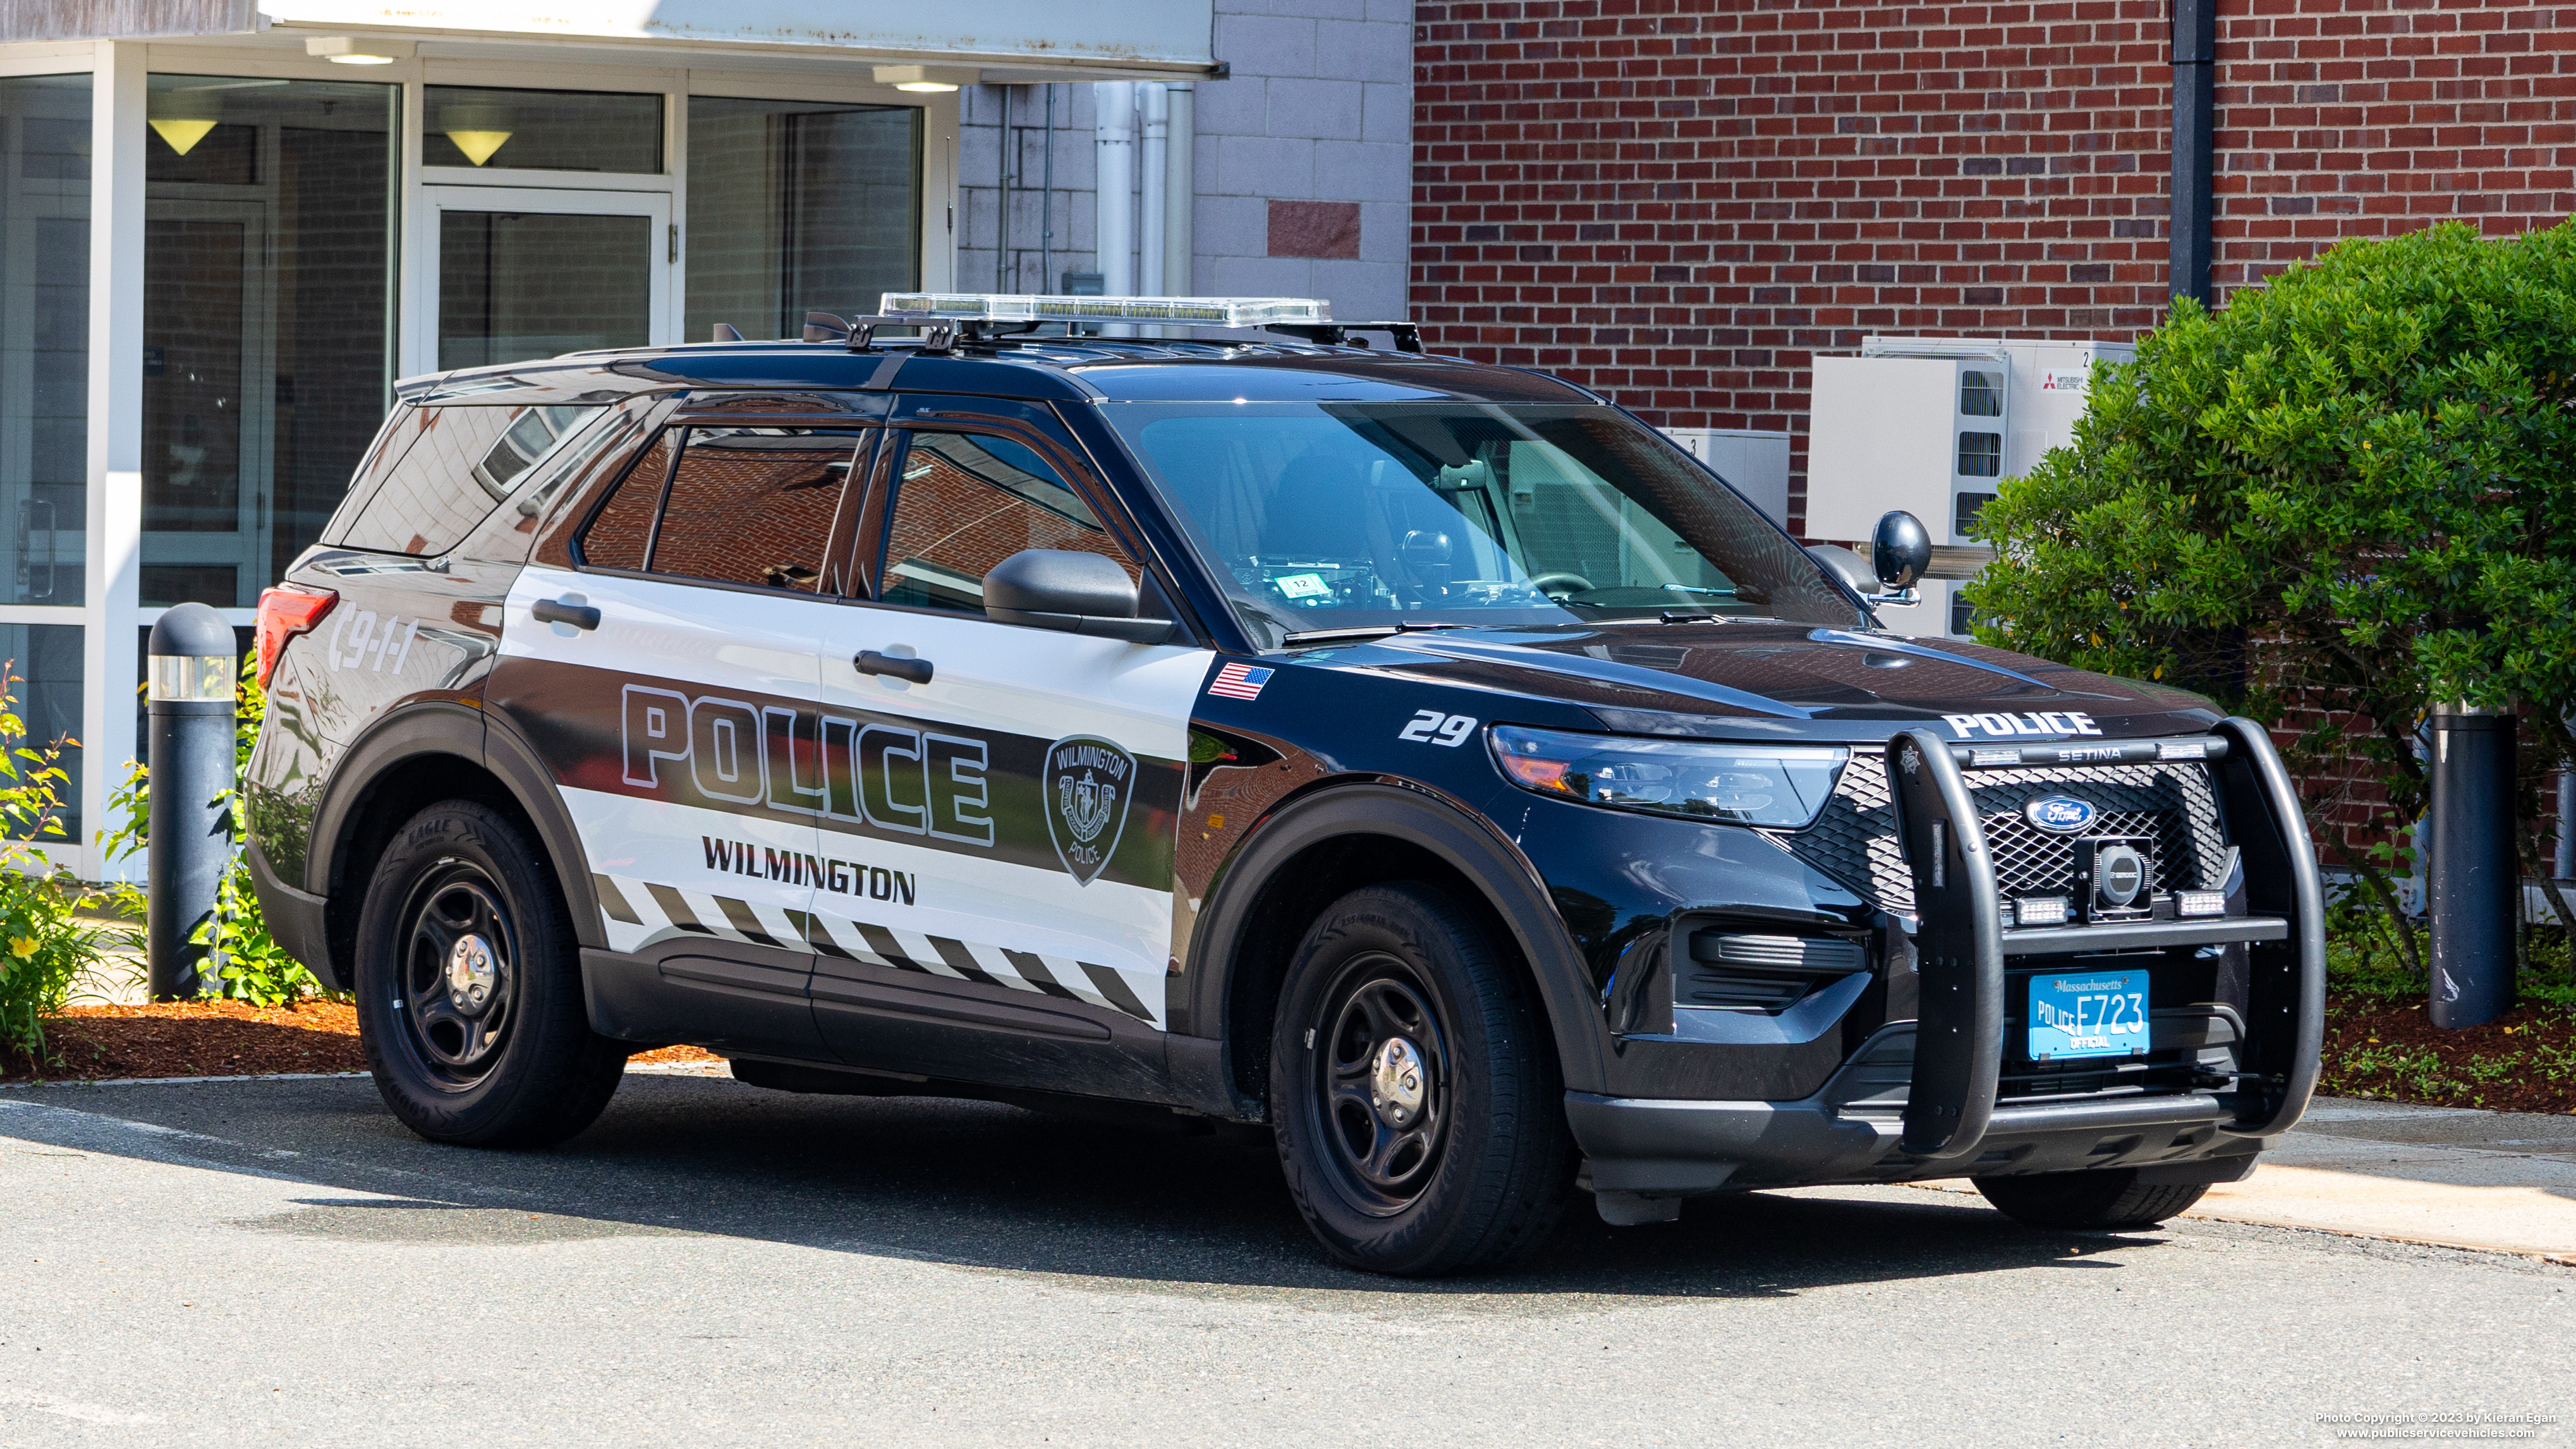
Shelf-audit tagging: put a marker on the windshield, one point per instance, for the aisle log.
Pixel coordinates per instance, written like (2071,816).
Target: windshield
(1350,515)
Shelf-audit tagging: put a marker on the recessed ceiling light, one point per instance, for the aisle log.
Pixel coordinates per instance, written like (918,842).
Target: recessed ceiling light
(358,49)
(920,79)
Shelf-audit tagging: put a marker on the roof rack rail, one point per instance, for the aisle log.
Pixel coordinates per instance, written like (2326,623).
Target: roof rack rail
(860,332)
(1406,335)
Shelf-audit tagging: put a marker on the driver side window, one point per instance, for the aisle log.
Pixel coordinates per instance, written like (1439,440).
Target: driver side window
(964,502)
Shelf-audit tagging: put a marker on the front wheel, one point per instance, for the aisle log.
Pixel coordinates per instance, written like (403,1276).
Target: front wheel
(1414,1090)
(2104,1199)
(469,988)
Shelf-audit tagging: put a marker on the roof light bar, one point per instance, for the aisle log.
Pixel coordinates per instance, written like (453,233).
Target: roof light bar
(1190,311)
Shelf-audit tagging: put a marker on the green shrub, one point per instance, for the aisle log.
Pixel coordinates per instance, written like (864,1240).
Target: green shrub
(244,962)
(2349,496)
(44,944)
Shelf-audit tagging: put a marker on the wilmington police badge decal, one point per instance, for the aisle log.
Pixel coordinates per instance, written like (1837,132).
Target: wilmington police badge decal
(1088,781)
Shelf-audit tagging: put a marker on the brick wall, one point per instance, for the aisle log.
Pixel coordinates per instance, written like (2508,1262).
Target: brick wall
(1680,204)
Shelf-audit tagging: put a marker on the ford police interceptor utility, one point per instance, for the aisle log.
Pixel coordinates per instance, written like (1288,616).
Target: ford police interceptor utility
(1425,759)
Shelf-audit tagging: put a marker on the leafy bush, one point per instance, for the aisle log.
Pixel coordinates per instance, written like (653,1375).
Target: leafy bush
(44,944)
(2349,496)
(245,963)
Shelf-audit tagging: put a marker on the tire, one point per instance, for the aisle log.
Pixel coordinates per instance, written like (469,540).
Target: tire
(2109,1199)
(1462,1160)
(469,988)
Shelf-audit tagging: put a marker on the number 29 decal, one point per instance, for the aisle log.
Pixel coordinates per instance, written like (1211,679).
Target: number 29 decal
(1431,727)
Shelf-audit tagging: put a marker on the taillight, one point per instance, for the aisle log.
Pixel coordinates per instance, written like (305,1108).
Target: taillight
(284,612)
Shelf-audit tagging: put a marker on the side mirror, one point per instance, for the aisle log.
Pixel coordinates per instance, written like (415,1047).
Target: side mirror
(1847,567)
(1069,591)
(1900,552)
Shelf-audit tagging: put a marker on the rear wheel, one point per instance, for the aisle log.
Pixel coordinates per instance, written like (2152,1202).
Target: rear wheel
(469,988)
(2106,1199)
(1414,1090)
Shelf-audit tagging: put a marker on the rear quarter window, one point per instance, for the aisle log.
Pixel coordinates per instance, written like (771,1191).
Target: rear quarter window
(455,466)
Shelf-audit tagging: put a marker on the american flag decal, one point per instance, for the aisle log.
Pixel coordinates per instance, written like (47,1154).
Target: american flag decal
(1239,681)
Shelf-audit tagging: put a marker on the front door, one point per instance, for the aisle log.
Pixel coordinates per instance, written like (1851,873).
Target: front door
(1018,804)
(679,721)
(512,274)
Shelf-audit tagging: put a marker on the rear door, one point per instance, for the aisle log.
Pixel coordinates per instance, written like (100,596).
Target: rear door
(999,904)
(668,678)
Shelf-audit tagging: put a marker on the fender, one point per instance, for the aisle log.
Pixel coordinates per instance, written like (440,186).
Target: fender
(446,727)
(1507,880)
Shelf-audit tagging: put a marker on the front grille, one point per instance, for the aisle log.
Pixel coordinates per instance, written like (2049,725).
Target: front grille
(2169,804)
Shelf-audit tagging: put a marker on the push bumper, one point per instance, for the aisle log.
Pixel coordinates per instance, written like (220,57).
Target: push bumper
(1920,1098)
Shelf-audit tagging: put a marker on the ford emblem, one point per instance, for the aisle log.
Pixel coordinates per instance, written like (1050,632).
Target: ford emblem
(2063,814)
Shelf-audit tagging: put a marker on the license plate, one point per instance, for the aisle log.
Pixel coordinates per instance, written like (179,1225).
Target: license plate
(2099,1014)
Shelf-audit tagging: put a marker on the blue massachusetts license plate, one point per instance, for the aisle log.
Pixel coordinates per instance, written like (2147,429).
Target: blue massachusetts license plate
(2099,1014)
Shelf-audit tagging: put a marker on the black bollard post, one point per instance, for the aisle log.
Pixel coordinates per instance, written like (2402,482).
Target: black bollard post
(191,695)
(2475,879)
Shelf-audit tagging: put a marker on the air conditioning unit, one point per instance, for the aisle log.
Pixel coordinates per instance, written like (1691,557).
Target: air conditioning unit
(1756,463)
(1933,425)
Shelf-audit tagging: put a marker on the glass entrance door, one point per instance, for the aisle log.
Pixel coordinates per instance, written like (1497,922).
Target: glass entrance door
(512,274)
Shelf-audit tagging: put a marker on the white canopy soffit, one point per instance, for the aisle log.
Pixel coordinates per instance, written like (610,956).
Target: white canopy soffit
(1092,36)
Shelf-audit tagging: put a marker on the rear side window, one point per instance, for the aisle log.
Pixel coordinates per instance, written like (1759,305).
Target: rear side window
(460,464)
(746,505)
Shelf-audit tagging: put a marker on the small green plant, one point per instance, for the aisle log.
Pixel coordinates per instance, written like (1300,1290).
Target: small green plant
(244,962)
(44,945)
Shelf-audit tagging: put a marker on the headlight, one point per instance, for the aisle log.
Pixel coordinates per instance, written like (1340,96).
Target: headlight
(1698,779)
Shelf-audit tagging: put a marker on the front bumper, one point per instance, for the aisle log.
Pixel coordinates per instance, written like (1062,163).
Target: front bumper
(1920,1098)
(1852,1132)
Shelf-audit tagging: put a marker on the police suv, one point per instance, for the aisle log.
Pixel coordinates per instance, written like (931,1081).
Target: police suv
(1425,759)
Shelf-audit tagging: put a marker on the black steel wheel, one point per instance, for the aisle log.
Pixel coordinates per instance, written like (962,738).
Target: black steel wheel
(1378,1084)
(458,973)
(1414,1090)
(469,987)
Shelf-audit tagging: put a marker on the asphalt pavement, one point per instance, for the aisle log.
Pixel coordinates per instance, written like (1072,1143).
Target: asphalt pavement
(275,1262)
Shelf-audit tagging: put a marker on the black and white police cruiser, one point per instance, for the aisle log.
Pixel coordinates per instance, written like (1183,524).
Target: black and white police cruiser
(1425,759)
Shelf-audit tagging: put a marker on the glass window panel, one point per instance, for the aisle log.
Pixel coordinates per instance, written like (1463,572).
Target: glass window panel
(618,537)
(437,493)
(44,337)
(515,130)
(795,206)
(1348,515)
(517,285)
(755,506)
(45,659)
(267,291)
(966,502)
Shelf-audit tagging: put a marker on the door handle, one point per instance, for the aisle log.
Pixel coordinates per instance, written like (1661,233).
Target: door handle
(555,611)
(871,662)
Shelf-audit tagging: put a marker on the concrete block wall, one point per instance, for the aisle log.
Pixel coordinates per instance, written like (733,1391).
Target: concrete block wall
(1317,112)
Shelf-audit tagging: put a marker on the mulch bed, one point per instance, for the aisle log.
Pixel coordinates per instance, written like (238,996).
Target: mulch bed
(213,1039)
(2523,1061)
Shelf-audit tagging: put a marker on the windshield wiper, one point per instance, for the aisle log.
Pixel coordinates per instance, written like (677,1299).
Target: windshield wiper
(1368,631)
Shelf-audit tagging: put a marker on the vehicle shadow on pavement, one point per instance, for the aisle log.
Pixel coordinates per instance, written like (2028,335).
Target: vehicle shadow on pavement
(978,1186)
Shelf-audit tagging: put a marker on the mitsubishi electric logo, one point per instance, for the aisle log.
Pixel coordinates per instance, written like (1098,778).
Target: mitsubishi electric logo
(1088,782)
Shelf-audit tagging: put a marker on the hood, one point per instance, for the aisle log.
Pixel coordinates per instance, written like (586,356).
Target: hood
(1738,680)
